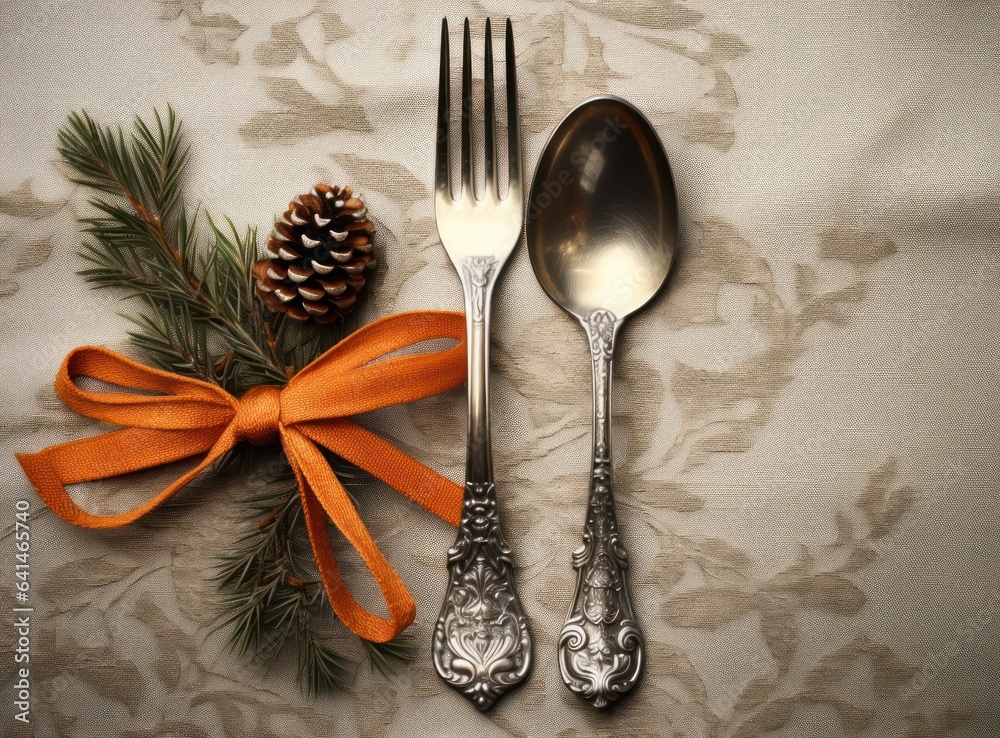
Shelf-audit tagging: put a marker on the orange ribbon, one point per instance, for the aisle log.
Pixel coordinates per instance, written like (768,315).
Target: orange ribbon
(192,417)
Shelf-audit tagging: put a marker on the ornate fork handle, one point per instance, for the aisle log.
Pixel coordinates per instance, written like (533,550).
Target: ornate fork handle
(481,643)
(601,649)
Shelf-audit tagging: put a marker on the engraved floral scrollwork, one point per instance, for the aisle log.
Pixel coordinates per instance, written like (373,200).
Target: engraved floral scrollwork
(478,270)
(481,642)
(602,332)
(601,646)
(601,329)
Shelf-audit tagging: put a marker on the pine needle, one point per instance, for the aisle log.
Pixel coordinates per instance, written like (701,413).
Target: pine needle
(272,596)
(387,657)
(321,669)
(144,242)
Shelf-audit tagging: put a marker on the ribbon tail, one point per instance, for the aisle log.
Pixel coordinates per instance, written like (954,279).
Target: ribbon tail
(381,459)
(321,493)
(113,454)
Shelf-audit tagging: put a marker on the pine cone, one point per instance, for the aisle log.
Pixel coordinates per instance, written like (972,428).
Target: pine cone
(319,250)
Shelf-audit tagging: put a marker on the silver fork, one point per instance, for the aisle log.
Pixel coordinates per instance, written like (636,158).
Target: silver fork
(481,643)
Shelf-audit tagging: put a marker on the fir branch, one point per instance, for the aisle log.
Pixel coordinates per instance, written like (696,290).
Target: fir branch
(322,669)
(203,319)
(304,344)
(147,176)
(272,595)
(386,657)
(174,342)
(144,242)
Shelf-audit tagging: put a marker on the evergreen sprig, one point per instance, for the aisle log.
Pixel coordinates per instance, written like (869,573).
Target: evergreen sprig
(144,242)
(273,595)
(201,318)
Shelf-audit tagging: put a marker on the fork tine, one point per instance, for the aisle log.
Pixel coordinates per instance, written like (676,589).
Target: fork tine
(441,168)
(514,188)
(490,131)
(468,183)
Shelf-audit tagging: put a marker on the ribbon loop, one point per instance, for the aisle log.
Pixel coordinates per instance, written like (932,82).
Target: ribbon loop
(258,414)
(180,403)
(190,417)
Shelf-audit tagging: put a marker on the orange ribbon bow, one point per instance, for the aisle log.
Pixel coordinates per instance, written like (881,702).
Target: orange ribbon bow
(192,417)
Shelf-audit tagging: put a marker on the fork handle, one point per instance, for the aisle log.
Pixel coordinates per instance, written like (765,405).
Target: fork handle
(481,643)
(479,275)
(601,649)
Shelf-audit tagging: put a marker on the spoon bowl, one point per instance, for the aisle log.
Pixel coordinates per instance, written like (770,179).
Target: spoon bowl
(602,217)
(602,232)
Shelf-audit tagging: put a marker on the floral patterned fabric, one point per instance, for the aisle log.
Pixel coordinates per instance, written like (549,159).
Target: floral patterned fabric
(805,422)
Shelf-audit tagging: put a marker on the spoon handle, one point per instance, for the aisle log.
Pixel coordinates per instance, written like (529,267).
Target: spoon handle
(601,649)
(481,643)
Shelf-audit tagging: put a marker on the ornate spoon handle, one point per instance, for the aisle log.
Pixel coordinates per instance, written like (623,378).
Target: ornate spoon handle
(481,642)
(601,649)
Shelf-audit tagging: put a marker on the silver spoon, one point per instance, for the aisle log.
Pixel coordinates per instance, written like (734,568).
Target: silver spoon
(601,232)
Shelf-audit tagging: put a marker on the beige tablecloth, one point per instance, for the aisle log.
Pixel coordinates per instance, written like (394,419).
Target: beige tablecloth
(806,423)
